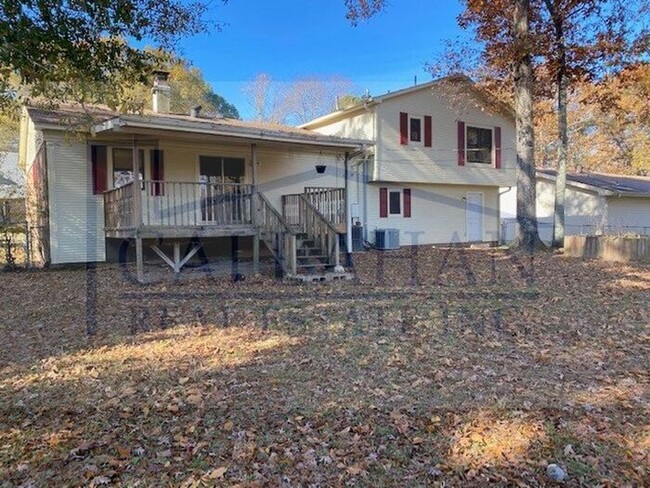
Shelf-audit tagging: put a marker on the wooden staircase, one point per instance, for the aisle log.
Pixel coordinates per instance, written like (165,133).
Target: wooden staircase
(310,256)
(303,241)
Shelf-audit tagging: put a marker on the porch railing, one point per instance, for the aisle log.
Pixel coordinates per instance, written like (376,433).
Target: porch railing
(180,204)
(277,234)
(317,228)
(330,202)
(118,208)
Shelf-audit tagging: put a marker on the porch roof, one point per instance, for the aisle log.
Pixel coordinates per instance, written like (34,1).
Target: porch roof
(100,120)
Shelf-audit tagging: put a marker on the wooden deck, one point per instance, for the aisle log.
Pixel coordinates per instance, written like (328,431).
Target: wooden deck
(308,228)
(178,210)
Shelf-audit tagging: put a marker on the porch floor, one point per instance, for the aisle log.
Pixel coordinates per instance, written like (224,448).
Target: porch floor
(179,232)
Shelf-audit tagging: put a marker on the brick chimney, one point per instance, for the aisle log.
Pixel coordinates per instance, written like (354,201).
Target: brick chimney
(161,92)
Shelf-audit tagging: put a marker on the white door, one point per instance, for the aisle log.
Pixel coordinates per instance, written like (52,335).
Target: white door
(474,216)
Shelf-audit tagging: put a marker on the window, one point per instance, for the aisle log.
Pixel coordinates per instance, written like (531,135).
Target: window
(415,129)
(214,169)
(123,166)
(395,202)
(479,145)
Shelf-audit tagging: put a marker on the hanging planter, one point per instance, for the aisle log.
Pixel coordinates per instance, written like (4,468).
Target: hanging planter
(320,168)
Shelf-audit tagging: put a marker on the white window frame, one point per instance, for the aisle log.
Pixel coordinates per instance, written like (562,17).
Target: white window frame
(477,126)
(400,191)
(421,119)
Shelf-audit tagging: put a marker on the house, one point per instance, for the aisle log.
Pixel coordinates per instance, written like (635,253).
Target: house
(12,203)
(596,203)
(442,150)
(102,185)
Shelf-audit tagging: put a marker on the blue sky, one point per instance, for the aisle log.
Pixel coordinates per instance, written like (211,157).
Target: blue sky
(293,38)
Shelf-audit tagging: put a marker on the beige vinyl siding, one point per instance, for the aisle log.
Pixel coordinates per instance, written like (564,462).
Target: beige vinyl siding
(280,171)
(76,215)
(438,213)
(629,214)
(439,163)
(359,126)
(582,208)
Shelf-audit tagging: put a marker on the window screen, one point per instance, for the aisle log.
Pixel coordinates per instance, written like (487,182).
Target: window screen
(394,203)
(479,145)
(416,130)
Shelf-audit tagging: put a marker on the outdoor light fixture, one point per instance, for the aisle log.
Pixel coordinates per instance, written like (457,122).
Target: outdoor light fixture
(320,168)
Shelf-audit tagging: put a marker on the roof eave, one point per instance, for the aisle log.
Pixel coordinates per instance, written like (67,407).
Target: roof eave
(577,184)
(119,123)
(342,114)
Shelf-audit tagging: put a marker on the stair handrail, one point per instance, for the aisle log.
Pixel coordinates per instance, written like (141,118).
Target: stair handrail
(277,234)
(319,228)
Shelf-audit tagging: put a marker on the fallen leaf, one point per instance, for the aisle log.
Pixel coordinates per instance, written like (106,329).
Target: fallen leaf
(217,473)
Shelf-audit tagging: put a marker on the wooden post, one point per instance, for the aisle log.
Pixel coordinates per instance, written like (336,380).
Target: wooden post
(255,211)
(137,193)
(137,212)
(139,260)
(177,256)
(348,223)
(256,253)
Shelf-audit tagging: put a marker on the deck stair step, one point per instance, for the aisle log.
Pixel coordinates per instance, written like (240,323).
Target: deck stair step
(313,256)
(321,277)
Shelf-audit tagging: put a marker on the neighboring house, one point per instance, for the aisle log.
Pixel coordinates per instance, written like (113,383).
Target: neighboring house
(12,189)
(441,152)
(199,178)
(596,203)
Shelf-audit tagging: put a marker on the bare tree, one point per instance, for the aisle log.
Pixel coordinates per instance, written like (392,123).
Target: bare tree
(294,102)
(262,96)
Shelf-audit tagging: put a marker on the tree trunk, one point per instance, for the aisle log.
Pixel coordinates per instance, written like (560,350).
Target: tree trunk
(562,126)
(560,181)
(527,235)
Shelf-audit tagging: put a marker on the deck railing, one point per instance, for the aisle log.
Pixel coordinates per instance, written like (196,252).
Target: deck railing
(330,202)
(118,208)
(318,229)
(276,234)
(179,204)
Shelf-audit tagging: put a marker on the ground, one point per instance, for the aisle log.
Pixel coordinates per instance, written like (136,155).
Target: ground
(436,368)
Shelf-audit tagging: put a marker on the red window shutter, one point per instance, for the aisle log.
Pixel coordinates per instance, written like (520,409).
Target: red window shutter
(99,169)
(428,131)
(461,143)
(383,202)
(407,202)
(403,128)
(157,172)
(497,147)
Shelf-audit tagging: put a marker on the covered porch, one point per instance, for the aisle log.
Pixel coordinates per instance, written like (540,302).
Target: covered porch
(183,185)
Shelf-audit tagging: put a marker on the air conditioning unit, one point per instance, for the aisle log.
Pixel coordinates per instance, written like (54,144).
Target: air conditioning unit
(386,239)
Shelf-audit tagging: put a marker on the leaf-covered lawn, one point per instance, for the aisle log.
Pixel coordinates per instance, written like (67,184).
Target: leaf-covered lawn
(441,368)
